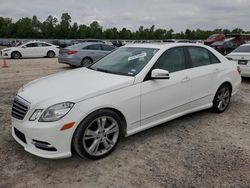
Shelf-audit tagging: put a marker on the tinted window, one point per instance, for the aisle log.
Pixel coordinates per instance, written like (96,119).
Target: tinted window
(42,44)
(213,58)
(93,47)
(107,48)
(243,49)
(172,60)
(199,56)
(31,45)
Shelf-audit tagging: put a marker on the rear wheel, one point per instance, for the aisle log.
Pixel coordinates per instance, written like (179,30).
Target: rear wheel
(86,62)
(15,55)
(51,54)
(222,98)
(97,136)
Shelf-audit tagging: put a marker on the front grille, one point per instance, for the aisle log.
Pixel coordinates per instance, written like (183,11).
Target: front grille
(20,135)
(20,108)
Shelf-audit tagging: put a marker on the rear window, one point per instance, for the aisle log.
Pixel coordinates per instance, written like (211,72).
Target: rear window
(242,49)
(199,56)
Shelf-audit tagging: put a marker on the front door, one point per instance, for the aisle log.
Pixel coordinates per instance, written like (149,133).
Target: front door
(165,99)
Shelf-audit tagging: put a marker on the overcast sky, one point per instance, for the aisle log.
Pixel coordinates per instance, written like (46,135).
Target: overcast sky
(176,14)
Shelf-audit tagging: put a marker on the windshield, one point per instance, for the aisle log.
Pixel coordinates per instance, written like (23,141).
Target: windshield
(125,61)
(242,49)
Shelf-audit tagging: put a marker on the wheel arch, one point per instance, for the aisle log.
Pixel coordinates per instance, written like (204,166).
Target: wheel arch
(17,52)
(226,83)
(118,112)
(50,51)
(87,57)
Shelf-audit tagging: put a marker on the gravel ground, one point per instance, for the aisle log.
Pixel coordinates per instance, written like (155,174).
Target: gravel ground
(203,149)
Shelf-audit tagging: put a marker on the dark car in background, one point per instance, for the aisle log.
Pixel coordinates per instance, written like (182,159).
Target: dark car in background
(84,54)
(214,38)
(225,47)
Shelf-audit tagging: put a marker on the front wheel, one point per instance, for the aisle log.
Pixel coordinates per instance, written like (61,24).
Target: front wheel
(222,98)
(97,136)
(15,55)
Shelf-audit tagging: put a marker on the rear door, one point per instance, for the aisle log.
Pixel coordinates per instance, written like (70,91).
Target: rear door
(106,49)
(94,51)
(204,72)
(42,49)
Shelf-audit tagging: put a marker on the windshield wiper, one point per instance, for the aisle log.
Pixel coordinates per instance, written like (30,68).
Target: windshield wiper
(104,70)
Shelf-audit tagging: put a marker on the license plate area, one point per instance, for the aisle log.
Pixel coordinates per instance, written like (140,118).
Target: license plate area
(242,62)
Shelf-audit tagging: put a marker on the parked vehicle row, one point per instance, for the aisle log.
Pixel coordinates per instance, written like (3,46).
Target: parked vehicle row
(225,47)
(134,88)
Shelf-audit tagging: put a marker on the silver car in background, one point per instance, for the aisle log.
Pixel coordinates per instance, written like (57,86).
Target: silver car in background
(84,54)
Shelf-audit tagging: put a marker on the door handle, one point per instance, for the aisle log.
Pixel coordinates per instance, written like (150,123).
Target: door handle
(216,70)
(185,79)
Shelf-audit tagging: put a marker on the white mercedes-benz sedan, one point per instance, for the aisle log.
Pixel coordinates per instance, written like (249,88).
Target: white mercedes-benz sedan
(31,49)
(136,87)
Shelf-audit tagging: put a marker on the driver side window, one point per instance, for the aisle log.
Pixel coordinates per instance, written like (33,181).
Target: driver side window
(172,60)
(31,45)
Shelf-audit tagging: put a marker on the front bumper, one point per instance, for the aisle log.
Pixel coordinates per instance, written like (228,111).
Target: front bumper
(46,132)
(5,54)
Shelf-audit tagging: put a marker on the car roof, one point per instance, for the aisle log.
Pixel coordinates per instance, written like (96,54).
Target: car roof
(36,41)
(83,44)
(162,45)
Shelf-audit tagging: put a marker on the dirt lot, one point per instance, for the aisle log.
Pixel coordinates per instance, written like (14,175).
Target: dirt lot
(199,150)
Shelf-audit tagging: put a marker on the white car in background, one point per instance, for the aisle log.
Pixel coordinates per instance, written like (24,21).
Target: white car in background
(241,55)
(135,87)
(31,49)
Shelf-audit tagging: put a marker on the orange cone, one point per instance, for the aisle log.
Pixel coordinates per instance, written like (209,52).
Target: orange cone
(5,65)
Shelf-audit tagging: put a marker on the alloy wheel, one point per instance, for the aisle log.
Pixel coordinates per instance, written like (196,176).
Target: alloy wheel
(101,135)
(223,98)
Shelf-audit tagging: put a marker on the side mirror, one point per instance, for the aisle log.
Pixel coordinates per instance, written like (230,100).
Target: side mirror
(24,46)
(159,74)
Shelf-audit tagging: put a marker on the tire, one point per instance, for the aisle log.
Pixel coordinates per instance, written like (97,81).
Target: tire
(98,134)
(222,98)
(86,62)
(50,54)
(15,55)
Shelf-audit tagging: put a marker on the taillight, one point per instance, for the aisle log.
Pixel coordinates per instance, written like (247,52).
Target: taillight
(238,69)
(70,52)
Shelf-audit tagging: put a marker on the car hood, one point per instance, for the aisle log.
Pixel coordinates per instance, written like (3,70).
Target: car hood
(73,86)
(11,48)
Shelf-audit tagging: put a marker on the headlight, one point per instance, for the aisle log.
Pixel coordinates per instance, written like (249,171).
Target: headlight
(35,114)
(56,112)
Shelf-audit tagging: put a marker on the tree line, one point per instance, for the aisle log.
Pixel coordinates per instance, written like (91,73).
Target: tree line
(52,28)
